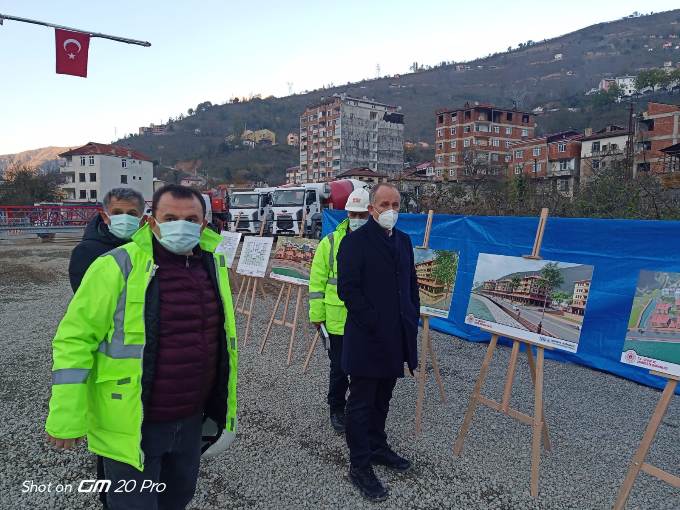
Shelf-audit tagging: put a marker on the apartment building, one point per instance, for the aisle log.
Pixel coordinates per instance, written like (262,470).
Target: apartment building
(658,128)
(92,170)
(478,137)
(603,149)
(580,297)
(342,132)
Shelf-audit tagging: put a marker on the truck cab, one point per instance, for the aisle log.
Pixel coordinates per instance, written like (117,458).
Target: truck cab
(247,209)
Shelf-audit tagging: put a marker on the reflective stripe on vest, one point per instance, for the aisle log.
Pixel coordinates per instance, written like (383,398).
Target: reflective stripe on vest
(116,348)
(70,375)
(317,295)
(331,255)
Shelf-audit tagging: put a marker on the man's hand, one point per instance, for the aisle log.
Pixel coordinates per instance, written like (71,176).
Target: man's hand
(64,444)
(317,325)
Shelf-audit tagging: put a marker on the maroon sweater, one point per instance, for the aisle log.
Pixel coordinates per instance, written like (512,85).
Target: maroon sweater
(188,335)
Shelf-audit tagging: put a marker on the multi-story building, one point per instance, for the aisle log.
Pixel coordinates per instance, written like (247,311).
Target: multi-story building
(580,296)
(427,283)
(603,149)
(658,128)
(260,136)
(529,291)
(476,139)
(293,139)
(341,132)
(295,176)
(153,129)
(94,169)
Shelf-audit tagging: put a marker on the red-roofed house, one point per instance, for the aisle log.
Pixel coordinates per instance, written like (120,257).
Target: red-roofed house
(662,308)
(660,320)
(95,168)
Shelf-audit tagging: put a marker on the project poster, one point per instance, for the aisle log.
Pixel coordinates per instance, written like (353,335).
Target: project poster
(254,256)
(292,261)
(229,245)
(653,337)
(436,274)
(541,301)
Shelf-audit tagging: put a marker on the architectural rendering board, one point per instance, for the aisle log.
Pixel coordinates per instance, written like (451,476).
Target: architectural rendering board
(254,256)
(653,336)
(436,273)
(292,259)
(541,301)
(229,245)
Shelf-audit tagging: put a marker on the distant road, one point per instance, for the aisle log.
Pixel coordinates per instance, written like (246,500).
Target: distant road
(551,325)
(499,315)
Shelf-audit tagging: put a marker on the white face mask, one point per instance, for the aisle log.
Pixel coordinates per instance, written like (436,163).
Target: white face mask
(355,223)
(388,219)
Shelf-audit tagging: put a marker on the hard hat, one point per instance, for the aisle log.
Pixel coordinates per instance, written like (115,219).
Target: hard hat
(357,201)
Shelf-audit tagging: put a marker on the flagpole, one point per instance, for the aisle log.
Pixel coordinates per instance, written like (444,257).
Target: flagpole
(91,34)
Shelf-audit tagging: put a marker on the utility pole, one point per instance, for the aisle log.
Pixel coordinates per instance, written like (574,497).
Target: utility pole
(377,70)
(630,163)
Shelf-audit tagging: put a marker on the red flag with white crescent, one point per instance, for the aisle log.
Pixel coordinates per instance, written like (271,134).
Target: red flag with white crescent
(72,49)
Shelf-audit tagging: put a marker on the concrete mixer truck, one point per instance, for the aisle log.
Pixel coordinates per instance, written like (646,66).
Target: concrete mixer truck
(291,203)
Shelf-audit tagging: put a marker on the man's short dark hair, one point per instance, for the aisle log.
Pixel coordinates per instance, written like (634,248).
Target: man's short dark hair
(176,191)
(128,194)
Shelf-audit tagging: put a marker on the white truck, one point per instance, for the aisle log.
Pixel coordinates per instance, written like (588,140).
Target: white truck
(291,203)
(248,208)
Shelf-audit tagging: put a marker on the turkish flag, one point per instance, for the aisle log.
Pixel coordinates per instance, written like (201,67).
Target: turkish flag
(72,48)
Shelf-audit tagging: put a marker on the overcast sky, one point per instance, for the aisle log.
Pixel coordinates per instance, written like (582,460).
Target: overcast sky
(493,267)
(213,50)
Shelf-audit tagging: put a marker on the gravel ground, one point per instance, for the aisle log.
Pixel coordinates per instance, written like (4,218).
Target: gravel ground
(287,456)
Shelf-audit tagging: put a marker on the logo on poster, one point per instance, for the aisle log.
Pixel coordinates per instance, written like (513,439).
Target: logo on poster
(631,356)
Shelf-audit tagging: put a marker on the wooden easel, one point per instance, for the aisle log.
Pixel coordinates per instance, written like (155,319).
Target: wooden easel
(250,284)
(537,421)
(283,321)
(638,463)
(427,350)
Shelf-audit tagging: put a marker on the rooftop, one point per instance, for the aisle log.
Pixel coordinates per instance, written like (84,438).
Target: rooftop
(102,149)
(360,172)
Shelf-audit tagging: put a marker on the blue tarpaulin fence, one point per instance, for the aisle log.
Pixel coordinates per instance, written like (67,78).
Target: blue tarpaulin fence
(618,250)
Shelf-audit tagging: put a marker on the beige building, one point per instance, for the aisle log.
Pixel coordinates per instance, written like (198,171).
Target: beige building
(264,136)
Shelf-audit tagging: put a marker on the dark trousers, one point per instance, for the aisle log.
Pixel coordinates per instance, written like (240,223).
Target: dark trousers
(338,381)
(365,416)
(172,454)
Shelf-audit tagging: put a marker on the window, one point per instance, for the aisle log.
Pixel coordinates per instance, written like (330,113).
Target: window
(508,158)
(496,129)
(518,169)
(453,144)
(81,177)
(83,194)
(562,185)
(453,131)
(439,172)
(519,154)
(536,151)
(452,172)
(452,158)
(508,116)
(440,145)
(507,144)
(123,178)
(93,177)
(494,156)
(93,194)
(82,160)
(537,167)
(440,131)
(466,129)
(439,158)
(561,147)
(440,119)
(123,163)
(508,130)
(564,164)
(525,132)
(595,147)
(596,164)
(466,142)
(91,160)
(496,142)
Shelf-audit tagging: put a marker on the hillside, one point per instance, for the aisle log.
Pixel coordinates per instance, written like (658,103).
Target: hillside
(44,158)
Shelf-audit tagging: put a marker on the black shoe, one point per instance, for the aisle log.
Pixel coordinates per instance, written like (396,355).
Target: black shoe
(386,457)
(368,484)
(338,422)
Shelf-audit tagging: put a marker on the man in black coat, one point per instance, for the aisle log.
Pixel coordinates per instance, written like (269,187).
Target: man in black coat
(111,228)
(377,282)
(122,212)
